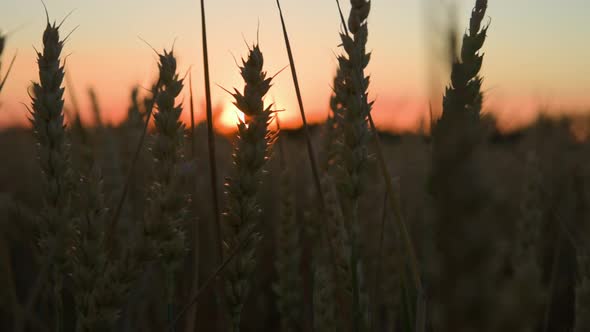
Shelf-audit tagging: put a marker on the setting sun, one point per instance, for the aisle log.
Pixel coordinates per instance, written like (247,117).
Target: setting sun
(227,120)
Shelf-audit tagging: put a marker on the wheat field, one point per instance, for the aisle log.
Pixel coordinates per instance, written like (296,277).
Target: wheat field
(154,224)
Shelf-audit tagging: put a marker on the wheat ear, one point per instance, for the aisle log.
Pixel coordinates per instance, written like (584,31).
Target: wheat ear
(391,194)
(47,119)
(251,152)
(167,211)
(351,91)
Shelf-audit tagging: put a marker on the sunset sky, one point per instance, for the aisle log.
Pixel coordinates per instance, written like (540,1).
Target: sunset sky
(537,53)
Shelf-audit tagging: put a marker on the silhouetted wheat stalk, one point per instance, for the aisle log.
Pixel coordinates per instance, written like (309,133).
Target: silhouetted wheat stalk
(191,318)
(211,136)
(352,163)
(251,152)
(47,118)
(336,103)
(310,149)
(166,214)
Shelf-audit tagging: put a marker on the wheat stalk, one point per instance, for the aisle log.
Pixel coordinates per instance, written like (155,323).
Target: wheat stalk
(310,149)
(191,319)
(167,211)
(211,136)
(251,152)
(351,92)
(391,194)
(47,119)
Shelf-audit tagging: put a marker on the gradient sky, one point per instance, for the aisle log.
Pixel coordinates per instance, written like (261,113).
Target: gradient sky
(537,53)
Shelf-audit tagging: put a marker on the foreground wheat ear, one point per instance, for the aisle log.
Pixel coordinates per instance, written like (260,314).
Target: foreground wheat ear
(47,119)
(352,110)
(251,153)
(165,218)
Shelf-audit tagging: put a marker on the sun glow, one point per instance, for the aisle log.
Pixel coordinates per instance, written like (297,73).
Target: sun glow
(228,119)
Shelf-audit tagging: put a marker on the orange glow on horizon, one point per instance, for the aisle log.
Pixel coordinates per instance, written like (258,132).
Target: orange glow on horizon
(407,115)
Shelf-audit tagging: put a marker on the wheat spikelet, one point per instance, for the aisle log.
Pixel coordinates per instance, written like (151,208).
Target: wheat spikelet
(167,152)
(350,94)
(164,222)
(166,214)
(47,119)
(251,152)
